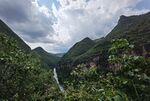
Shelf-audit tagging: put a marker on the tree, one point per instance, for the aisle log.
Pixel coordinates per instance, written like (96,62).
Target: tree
(22,77)
(89,84)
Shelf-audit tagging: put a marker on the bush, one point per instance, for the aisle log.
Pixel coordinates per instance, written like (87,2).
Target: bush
(132,84)
(22,76)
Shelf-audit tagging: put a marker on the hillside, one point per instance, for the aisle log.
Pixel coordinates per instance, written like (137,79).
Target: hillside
(22,76)
(47,58)
(136,29)
(78,49)
(105,69)
(8,32)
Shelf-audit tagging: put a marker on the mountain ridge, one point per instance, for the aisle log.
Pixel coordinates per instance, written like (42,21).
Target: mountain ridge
(75,51)
(48,58)
(136,29)
(4,28)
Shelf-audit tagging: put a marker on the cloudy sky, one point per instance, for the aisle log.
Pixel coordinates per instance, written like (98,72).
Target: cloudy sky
(56,25)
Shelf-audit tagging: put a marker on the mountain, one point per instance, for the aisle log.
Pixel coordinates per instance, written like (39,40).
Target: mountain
(136,29)
(48,59)
(8,32)
(22,72)
(78,49)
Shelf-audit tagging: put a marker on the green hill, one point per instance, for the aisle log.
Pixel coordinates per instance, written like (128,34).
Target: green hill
(8,32)
(22,75)
(136,29)
(78,49)
(47,58)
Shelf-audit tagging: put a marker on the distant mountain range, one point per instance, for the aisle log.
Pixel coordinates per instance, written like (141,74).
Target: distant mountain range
(48,59)
(136,29)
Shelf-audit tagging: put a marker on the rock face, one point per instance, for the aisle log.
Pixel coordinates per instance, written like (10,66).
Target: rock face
(136,29)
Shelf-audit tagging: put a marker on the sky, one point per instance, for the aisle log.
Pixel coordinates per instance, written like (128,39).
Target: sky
(56,25)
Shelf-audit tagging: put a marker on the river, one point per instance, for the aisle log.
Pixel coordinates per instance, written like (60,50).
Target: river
(56,78)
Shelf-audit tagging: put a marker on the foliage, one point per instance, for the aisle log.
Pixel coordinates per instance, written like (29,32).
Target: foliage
(132,84)
(22,76)
(89,85)
(49,59)
(131,66)
(134,28)
(78,49)
(8,32)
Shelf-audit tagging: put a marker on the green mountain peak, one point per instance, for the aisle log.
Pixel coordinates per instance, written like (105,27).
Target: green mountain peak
(49,59)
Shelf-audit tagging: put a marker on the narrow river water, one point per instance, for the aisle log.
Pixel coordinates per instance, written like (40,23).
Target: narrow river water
(56,78)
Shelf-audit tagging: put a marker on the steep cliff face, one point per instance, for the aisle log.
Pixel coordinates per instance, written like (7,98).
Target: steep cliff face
(136,29)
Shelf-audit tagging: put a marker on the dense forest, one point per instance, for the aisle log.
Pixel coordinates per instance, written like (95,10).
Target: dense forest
(113,68)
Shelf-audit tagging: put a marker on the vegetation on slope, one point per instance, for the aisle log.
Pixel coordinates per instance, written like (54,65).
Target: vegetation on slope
(22,77)
(134,28)
(6,30)
(78,49)
(130,84)
(67,61)
(49,59)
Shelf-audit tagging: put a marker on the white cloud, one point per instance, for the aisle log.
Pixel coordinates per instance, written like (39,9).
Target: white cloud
(77,19)
(30,20)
